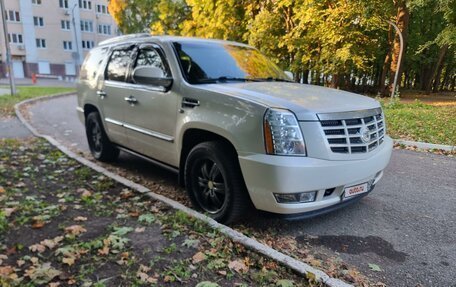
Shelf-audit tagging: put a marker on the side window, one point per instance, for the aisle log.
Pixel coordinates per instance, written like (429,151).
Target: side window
(92,63)
(119,63)
(150,57)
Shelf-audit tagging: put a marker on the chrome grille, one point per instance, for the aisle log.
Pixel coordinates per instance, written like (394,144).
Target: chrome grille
(344,133)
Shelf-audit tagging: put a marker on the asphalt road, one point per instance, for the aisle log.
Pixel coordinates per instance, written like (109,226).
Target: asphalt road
(407,226)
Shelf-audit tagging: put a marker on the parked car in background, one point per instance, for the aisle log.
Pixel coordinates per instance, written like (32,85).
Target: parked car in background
(234,126)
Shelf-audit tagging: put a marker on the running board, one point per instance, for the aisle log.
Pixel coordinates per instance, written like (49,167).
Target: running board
(153,161)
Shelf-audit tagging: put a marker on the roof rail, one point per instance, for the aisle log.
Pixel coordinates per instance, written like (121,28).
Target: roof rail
(123,38)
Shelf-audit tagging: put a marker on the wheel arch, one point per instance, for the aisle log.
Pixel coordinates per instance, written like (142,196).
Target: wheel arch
(194,136)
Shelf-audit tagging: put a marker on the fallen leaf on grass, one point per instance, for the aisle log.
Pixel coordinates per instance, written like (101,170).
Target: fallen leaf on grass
(238,266)
(6,270)
(103,251)
(75,230)
(54,284)
(2,257)
(20,263)
(139,229)
(51,243)
(8,211)
(198,257)
(207,284)
(146,278)
(68,260)
(285,283)
(37,248)
(42,274)
(37,224)
(2,190)
(80,218)
(375,267)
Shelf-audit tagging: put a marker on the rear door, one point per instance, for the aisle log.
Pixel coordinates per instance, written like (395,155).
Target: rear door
(113,90)
(151,119)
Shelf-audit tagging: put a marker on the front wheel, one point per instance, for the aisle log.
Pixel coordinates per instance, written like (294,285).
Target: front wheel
(100,146)
(214,182)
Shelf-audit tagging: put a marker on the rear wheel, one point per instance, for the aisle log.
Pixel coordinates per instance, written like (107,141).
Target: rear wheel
(214,182)
(100,146)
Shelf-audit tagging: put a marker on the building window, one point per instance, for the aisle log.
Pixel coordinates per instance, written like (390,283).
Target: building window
(63,4)
(88,44)
(102,9)
(12,16)
(15,38)
(104,29)
(86,26)
(36,2)
(65,25)
(85,4)
(67,45)
(38,21)
(40,43)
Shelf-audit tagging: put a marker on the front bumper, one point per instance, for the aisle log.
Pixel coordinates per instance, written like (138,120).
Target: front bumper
(265,175)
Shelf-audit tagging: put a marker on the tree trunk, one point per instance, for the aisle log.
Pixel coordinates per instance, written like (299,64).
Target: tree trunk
(381,85)
(305,76)
(402,22)
(334,81)
(437,71)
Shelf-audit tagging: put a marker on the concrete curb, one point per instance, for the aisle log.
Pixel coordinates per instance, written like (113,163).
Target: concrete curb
(423,145)
(292,263)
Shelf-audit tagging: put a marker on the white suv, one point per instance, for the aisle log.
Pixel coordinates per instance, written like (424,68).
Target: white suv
(234,126)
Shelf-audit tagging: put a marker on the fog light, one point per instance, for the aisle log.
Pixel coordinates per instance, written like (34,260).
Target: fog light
(296,197)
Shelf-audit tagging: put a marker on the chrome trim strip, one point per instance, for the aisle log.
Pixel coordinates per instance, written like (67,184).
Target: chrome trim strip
(79,109)
(109,120)
(141,130)
(149,133)
(135,87)
(349,115)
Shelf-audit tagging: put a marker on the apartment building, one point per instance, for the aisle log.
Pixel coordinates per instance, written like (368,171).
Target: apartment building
(52,37)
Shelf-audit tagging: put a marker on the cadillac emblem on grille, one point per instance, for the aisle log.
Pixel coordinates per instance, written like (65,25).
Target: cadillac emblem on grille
(365,134)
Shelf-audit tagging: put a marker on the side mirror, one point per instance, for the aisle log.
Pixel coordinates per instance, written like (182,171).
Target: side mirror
(289,74)
(146,75)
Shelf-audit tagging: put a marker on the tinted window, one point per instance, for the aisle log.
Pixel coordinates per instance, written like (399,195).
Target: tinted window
(208,62)
(92,63)
(119,63)
(151,57)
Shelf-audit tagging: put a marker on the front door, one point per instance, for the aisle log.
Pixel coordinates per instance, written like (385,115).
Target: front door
(18,69)
(151,117)
(113,91)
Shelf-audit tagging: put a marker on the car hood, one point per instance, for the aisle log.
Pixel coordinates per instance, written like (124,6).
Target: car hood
(304,100)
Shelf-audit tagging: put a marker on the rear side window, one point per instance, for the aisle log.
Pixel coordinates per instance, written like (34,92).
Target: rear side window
(92,63)
(119,63)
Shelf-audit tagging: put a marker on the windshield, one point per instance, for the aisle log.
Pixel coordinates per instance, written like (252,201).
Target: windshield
(219,62)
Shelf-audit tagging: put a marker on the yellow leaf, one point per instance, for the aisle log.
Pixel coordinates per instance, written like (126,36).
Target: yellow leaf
(238,266)
(75,229)
(68,260)
(198,257)
(37,248)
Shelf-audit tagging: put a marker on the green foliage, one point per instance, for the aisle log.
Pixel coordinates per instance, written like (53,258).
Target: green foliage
(421,122)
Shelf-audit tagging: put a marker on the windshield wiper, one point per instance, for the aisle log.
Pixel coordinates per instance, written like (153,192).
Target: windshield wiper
(225,79)
(272,79)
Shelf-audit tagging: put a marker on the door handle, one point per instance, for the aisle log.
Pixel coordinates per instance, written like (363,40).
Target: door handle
(101,94)
(190,103)
(132,100)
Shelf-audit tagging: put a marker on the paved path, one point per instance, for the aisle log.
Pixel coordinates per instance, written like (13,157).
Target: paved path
(11,127)
(407,226)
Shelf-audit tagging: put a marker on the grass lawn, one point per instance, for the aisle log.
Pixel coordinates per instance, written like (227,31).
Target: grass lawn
(7,102)
(418,121)
(63,224)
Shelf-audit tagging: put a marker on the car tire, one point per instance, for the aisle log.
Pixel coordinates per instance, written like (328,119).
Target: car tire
(100,146)
(214,182)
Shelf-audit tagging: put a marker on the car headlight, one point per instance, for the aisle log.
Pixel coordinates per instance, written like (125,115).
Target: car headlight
(282,134)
